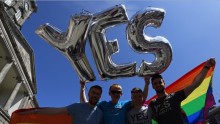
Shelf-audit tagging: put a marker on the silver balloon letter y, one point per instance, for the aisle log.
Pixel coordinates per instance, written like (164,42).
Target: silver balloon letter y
(71,43)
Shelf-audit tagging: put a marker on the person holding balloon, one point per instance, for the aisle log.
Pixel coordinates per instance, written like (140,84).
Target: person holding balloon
(81,113)
(166,108)
(139,112)
(115,111)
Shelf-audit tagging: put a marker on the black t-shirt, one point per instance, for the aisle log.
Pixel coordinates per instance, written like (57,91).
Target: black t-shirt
(167,110)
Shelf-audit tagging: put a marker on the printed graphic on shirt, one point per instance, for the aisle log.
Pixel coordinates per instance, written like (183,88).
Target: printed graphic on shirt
(138,116)
(163,108)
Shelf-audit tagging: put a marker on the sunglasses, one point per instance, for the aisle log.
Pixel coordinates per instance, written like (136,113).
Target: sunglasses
(159,82)
(116,92)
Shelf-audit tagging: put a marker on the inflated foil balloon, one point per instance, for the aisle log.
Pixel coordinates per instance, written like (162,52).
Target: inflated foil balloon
(140,42)
(102,49)
(71,43)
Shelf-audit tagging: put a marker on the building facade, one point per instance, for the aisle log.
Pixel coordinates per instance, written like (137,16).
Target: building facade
(17,71)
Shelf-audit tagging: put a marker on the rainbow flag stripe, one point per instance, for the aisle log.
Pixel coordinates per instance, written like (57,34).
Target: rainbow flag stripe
(18,118)
(197,104)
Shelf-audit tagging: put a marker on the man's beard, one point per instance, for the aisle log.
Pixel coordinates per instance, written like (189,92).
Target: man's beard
(93,103)
(160,91)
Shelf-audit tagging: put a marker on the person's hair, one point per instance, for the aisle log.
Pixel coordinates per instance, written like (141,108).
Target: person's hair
(156,76)
(97,87)
(114,85)
(136,90)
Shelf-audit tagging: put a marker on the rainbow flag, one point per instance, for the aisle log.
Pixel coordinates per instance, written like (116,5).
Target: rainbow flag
(197,104)
(18,118)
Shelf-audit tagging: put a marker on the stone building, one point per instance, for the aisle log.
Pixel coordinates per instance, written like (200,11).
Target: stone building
(17,71)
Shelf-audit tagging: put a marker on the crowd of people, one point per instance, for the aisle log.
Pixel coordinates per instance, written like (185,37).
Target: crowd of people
(165,109)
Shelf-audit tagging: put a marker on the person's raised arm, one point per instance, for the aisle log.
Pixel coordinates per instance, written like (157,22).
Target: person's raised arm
(147,82)
(200,77)
(83,98)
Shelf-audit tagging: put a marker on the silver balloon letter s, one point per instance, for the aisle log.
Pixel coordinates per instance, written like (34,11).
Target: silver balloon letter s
(102,49)
(159,46)
(72,43)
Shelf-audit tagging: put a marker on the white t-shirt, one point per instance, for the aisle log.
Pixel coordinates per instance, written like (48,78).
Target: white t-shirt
(139,116)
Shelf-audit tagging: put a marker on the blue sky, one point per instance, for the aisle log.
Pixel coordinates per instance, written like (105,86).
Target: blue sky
(192,29)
